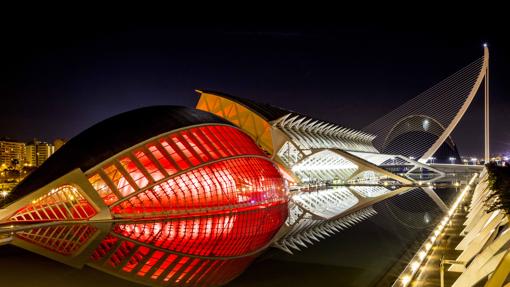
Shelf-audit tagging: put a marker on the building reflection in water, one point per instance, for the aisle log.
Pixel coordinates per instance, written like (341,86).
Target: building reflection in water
(197,251)
(212,250)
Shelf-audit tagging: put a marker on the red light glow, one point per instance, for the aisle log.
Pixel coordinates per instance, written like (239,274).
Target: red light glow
(207,169)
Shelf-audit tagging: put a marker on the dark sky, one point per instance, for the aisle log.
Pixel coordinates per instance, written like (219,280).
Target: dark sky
(60,77)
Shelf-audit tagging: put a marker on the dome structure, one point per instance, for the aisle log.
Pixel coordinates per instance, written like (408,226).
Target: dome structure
(161,161)
(413,135)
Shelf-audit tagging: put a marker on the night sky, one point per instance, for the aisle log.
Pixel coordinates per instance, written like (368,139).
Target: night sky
(59,77)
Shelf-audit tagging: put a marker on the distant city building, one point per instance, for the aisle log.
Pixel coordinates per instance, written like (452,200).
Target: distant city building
(37,152)
(11,150)
(58,143)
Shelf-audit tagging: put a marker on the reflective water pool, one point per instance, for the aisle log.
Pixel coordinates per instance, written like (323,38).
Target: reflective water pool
(220,249)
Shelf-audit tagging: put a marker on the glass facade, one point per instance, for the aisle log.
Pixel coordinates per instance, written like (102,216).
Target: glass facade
(204,169)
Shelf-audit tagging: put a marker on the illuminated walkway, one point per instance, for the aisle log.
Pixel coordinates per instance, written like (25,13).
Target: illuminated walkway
(429,273)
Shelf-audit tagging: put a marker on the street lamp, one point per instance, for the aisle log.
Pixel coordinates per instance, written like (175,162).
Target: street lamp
(452,159)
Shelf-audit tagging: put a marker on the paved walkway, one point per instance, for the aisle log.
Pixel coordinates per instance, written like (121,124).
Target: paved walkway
(429,273)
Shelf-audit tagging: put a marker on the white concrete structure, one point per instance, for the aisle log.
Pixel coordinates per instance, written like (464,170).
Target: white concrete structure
(485,246)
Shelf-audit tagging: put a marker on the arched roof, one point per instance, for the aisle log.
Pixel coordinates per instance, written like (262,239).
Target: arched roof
(109,137)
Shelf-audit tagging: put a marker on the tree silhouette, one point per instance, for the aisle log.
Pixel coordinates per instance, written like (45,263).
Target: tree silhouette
(499,188)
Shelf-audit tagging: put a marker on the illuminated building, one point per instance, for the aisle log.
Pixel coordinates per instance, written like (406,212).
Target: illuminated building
(205,197)
(210,191)
(307,149)
(37,152)
(9,150)
(230,154)
(180,162)
(313,155)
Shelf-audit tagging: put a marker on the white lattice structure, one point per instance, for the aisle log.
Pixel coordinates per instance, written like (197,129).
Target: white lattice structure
(308,133)
(308,150)
(326,203)
(307,229)
(315,215)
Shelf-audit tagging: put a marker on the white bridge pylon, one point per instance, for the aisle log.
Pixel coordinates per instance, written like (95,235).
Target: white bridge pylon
(445,102)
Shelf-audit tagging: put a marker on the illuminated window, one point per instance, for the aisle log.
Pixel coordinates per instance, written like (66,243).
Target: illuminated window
(233,183)
(103,189)
(148,164)
(120,182)
(190,171)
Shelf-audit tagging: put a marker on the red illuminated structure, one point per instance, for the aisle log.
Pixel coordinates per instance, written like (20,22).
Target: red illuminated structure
(207,250)
(208,169)
(153,162)
(206,199)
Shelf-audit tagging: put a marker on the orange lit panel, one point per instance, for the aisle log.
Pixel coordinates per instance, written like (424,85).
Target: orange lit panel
(120,182)
(136,258)
(153,260)
(103,189)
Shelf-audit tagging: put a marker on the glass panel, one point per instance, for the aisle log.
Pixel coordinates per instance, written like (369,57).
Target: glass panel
(174,155)
(102,189)
(233,183)
(135,173)
(167,165)
(119,180)
(150,166)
